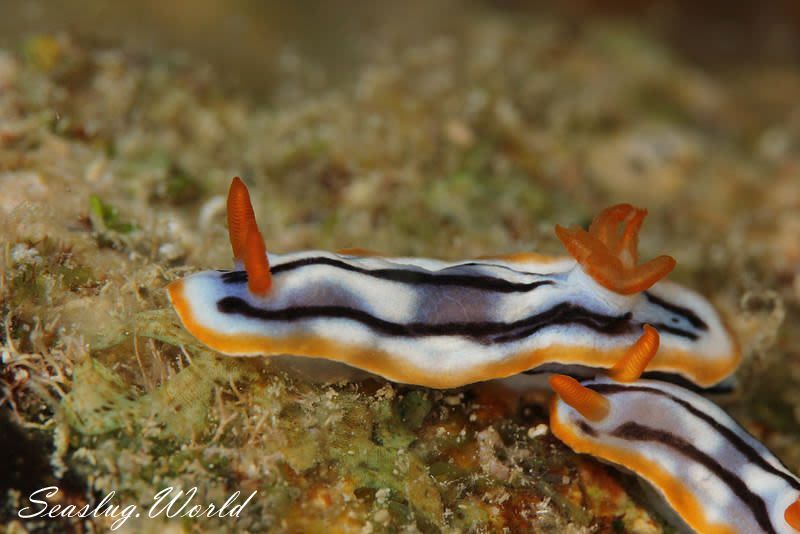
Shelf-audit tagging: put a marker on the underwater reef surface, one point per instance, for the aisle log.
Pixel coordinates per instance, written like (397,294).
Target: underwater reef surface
(113,171)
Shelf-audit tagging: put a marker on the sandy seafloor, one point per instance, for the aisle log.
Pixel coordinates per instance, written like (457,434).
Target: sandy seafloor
(476,140)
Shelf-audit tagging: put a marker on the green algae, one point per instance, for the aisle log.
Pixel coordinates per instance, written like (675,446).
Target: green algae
(100,403)
(45,268)
(105,217)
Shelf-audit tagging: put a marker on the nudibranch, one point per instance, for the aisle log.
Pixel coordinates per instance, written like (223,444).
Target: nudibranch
(713,474)
(446,324)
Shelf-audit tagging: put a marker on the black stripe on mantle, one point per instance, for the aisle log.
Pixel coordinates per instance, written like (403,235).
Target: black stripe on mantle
(405,276)
(632,431)
(483,332)
(753,456)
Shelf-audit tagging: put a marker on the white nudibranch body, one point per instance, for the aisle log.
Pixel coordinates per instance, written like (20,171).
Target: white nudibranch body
(712,472)
(446,324)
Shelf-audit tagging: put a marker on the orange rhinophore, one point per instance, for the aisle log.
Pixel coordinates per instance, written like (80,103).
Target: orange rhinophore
(246,241)
(590,404)
(240,217)
(792,514)
(631,366)
(609,254)
(259,277)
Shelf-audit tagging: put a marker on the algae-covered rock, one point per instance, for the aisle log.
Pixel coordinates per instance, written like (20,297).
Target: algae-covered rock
(470,140)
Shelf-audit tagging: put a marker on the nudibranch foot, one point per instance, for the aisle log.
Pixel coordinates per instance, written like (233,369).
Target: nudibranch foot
(608,251)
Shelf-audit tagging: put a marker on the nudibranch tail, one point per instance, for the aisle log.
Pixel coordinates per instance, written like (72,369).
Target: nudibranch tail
(792,515)
(590,404)
(631,366)
(608,252)
(240,217)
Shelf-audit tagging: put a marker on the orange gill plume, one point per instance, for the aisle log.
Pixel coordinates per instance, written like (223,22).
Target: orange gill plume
(608,251)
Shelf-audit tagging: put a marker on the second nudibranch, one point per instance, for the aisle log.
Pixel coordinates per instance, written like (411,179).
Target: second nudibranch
(446,324)
(713,474)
